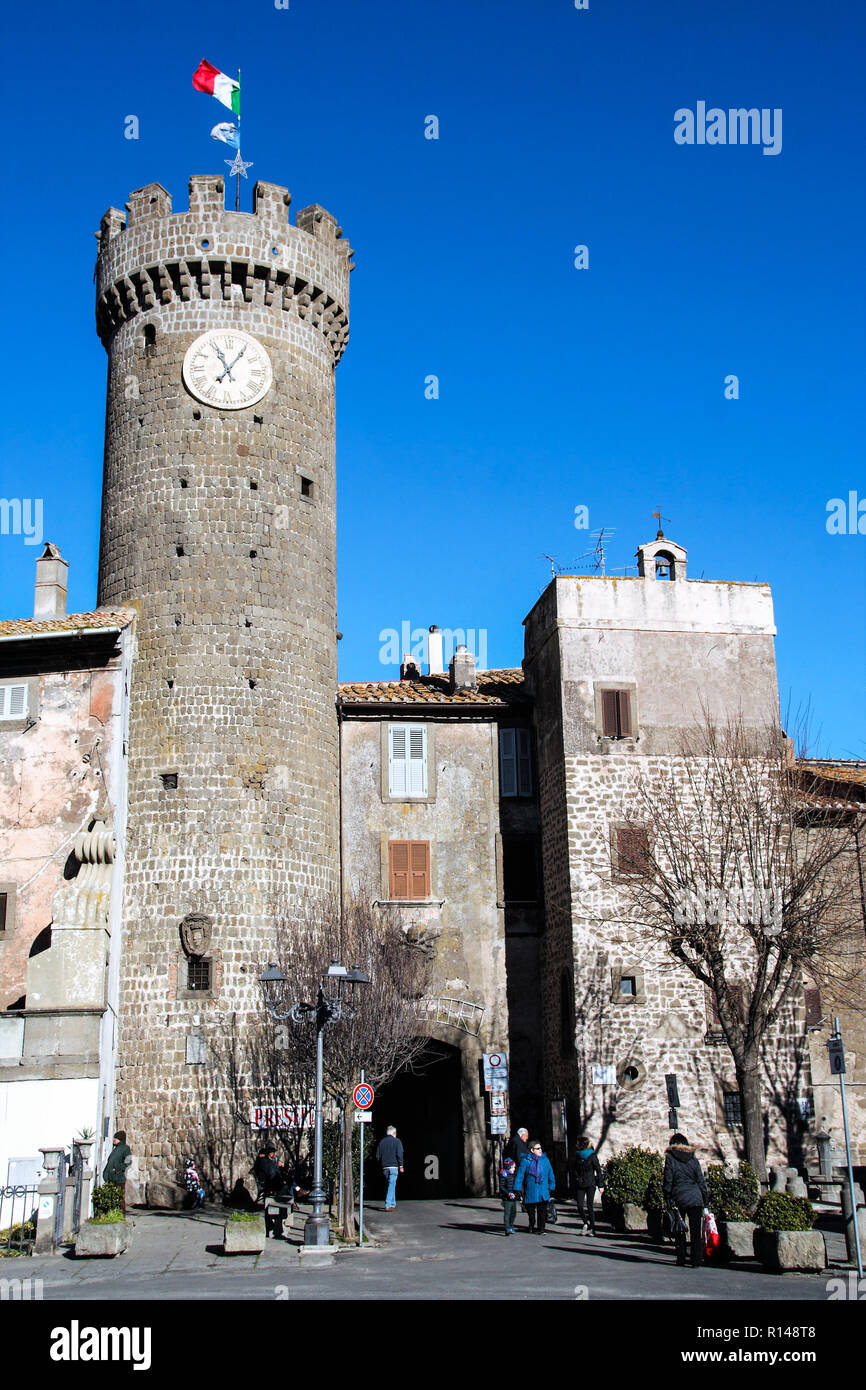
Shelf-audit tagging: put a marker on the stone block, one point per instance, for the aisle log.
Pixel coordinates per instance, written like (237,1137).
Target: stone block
(633,1218)
(778,1179)
(797,1187)
(244,1237)
(164,1196)
(786,1251)
(738,1239)
(102,1240)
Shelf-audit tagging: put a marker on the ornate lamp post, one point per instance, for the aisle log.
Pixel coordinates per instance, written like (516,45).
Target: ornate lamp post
(329,1008)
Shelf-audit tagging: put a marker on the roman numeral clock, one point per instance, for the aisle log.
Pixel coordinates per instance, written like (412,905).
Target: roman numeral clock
(227,369)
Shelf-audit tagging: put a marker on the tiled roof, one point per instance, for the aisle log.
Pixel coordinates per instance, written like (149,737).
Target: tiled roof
(500,688)
(106,618)
(835,769)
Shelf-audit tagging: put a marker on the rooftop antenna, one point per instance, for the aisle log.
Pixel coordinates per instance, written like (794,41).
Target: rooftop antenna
(552,559)
(597,562)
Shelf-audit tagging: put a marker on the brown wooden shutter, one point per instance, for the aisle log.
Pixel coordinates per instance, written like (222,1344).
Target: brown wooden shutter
(609,707)
(632,850)
(624,705)
(419,869)
(714,1004)
(398,868)
(812,1000)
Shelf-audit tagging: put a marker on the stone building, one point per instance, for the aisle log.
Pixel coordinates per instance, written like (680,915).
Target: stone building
(64,680)
(483,807)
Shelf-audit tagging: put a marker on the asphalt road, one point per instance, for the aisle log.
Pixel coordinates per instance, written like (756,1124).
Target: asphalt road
(437,1250)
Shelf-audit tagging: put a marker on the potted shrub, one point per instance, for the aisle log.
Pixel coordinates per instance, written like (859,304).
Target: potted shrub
(107,1232)
(733,1201)
(785,1239)
(244,1233)
(633,1187)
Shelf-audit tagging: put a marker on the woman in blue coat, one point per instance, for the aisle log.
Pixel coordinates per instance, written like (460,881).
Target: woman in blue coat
(536,1184)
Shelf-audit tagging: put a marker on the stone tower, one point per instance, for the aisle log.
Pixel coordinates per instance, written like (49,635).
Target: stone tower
(223,331)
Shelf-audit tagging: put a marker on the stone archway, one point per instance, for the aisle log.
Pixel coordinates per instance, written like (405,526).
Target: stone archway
(424,1102)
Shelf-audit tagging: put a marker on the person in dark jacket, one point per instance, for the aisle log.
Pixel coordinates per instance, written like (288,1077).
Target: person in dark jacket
(510,1198)
(536,1184)
(118,1164)
(193,1183)
(266,1171)
(587,1177)
(517,1146)
(685,1187)
(390,1155)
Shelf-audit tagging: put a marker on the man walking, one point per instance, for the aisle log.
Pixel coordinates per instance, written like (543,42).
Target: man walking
(587,1177)
(390,1155)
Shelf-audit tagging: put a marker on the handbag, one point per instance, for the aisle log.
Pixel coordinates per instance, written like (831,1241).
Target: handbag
(552,1217)
(673,1224)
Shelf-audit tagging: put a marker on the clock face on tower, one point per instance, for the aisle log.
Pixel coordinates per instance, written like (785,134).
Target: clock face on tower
(227,369)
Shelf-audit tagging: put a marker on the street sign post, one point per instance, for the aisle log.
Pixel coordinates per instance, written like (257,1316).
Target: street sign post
(836,1050)
(363,1095)
(495,1071)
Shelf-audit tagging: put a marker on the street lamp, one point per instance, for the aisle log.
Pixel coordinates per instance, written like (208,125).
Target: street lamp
(328,1008)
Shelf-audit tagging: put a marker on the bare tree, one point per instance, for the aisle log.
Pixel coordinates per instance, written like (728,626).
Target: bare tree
(740,874)
(383,1034)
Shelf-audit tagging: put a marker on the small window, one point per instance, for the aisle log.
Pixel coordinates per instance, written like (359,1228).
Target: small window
(307,487)
(408,869)
(149,340)
(733,1110)
(199,974)
(736,993)
(407,760)
(13,701)
(632,851)
(616,720)
(628,986)
(631,1074)
(520,869)
(4,902)
(169,781)
(515,762)
(812,1001)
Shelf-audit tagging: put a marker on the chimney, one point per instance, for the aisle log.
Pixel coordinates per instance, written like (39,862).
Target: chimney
(434,652)
(462,670)
(409,669)
(50,595)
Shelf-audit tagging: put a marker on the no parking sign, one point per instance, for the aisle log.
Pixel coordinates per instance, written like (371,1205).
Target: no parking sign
(363,1095)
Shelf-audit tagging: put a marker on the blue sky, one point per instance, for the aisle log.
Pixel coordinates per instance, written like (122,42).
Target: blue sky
(557,387)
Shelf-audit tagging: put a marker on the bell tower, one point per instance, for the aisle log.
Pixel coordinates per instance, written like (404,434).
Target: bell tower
(223,332)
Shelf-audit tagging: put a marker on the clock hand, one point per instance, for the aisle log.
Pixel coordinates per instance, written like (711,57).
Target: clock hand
(228,365)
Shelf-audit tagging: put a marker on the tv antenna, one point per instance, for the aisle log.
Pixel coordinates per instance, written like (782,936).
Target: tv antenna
(594,559)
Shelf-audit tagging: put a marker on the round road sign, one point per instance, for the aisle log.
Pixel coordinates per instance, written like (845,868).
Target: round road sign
(363,1095)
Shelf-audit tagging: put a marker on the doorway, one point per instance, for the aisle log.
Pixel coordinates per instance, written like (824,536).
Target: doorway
(423,1102)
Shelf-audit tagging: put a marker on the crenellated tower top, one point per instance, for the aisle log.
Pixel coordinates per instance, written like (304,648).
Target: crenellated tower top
(153,256)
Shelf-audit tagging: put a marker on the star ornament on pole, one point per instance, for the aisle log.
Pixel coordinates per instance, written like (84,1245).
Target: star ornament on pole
(239,166)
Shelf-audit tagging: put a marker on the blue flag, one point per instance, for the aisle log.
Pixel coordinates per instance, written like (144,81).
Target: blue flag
(228,133)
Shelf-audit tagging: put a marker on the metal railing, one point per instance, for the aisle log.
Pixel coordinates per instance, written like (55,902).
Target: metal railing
(18,1207)
(453,1013)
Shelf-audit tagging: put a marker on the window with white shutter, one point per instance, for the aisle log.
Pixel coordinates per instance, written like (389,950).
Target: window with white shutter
(515,762)
(407,760)
(13,701)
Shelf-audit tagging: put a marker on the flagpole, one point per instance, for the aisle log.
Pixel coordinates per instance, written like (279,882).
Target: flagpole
(238,176)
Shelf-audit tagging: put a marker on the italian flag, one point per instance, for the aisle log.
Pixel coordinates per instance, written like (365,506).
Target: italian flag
(207,78)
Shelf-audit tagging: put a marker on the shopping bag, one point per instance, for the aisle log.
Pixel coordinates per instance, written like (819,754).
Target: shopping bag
(710,1234)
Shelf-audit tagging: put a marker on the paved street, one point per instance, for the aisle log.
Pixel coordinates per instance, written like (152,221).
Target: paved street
(425,1250)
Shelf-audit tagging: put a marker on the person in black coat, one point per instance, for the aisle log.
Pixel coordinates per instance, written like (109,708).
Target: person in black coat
(685,1187)
(517,1146)
(587,1177)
